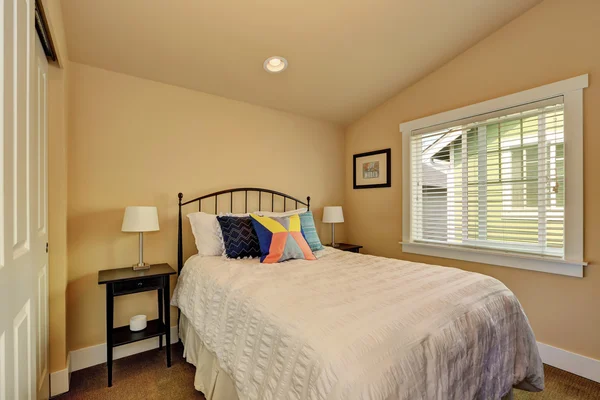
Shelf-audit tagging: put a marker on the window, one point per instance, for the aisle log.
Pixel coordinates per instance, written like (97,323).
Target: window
(487,182)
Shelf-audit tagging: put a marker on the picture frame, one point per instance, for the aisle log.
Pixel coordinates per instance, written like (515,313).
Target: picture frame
(372,169)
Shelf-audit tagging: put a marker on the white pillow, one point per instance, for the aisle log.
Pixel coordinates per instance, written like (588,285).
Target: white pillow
(207,233)
(281,214)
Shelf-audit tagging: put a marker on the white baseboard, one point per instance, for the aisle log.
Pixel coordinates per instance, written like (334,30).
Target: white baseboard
(59,380)
(94,355)
(89,356)
(571,362)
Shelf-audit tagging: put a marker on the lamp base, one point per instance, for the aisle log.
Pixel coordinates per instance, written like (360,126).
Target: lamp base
(141,267)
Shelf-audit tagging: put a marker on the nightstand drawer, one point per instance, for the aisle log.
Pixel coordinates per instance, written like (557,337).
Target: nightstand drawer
(137,285)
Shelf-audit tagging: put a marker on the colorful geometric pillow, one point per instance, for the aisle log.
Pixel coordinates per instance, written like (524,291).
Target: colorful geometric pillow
(239,237)
(281,239)
(307,223)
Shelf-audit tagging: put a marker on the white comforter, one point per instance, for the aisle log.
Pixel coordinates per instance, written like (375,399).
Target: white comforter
(352,326)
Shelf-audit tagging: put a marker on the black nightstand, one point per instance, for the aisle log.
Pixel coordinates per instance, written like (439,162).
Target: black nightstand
(353,248)
(127,281)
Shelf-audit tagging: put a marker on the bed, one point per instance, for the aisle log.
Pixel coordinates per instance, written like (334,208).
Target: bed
(349,326)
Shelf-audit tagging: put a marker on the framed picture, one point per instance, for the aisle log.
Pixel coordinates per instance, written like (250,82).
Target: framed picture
(373,169)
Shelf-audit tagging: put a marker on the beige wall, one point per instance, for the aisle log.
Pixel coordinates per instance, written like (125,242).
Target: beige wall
(553,41)
(133,141)
(137,142)
(57,190)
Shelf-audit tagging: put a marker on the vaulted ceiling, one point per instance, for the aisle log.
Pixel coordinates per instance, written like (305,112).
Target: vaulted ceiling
(345,56)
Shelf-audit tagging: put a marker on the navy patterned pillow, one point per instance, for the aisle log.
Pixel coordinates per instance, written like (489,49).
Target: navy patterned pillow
(239,237)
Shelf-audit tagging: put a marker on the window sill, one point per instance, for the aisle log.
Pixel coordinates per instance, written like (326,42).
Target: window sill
(520,261)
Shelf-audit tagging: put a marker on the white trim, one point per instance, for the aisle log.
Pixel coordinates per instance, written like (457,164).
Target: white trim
(60,380)
(573,152)
(407,172)
(558,266)
(511,100)
(572,92)
(94,355)
(571,362)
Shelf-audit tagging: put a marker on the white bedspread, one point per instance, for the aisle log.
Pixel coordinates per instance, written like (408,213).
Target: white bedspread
(352,326)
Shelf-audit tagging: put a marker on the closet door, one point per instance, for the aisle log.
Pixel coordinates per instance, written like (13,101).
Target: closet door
(39,163)
(23,209)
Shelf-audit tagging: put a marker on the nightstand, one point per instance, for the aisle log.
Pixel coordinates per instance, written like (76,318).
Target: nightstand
(124,281)
(353,248)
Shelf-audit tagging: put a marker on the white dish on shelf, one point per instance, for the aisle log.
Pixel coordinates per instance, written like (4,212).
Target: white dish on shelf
(137,323)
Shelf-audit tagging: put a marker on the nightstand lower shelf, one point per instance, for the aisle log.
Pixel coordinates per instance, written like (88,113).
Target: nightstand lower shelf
(123,335)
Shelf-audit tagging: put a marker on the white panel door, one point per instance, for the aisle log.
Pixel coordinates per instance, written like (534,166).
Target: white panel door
(23,208)
(39,161)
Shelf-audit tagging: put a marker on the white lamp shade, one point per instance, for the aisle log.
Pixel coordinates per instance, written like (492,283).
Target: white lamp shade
(140,219)
(333,215)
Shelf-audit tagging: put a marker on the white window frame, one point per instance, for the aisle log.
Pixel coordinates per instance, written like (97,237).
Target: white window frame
(572,264)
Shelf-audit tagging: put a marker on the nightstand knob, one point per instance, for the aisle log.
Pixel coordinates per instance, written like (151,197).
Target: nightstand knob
(139,284)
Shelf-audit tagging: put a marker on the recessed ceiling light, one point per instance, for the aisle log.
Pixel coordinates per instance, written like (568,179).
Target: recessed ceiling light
(275,64)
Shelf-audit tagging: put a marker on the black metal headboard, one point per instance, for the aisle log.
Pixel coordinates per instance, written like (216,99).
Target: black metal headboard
(260,191)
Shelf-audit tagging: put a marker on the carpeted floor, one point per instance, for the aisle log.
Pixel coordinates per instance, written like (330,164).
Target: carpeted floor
(145,377)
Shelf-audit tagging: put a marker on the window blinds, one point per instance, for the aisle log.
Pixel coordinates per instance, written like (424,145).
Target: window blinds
(493,181)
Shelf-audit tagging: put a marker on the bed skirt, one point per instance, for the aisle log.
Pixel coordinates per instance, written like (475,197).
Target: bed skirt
(210,379)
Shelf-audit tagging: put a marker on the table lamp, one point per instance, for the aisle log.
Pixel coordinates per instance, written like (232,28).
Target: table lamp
(140,219)
(333,215)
